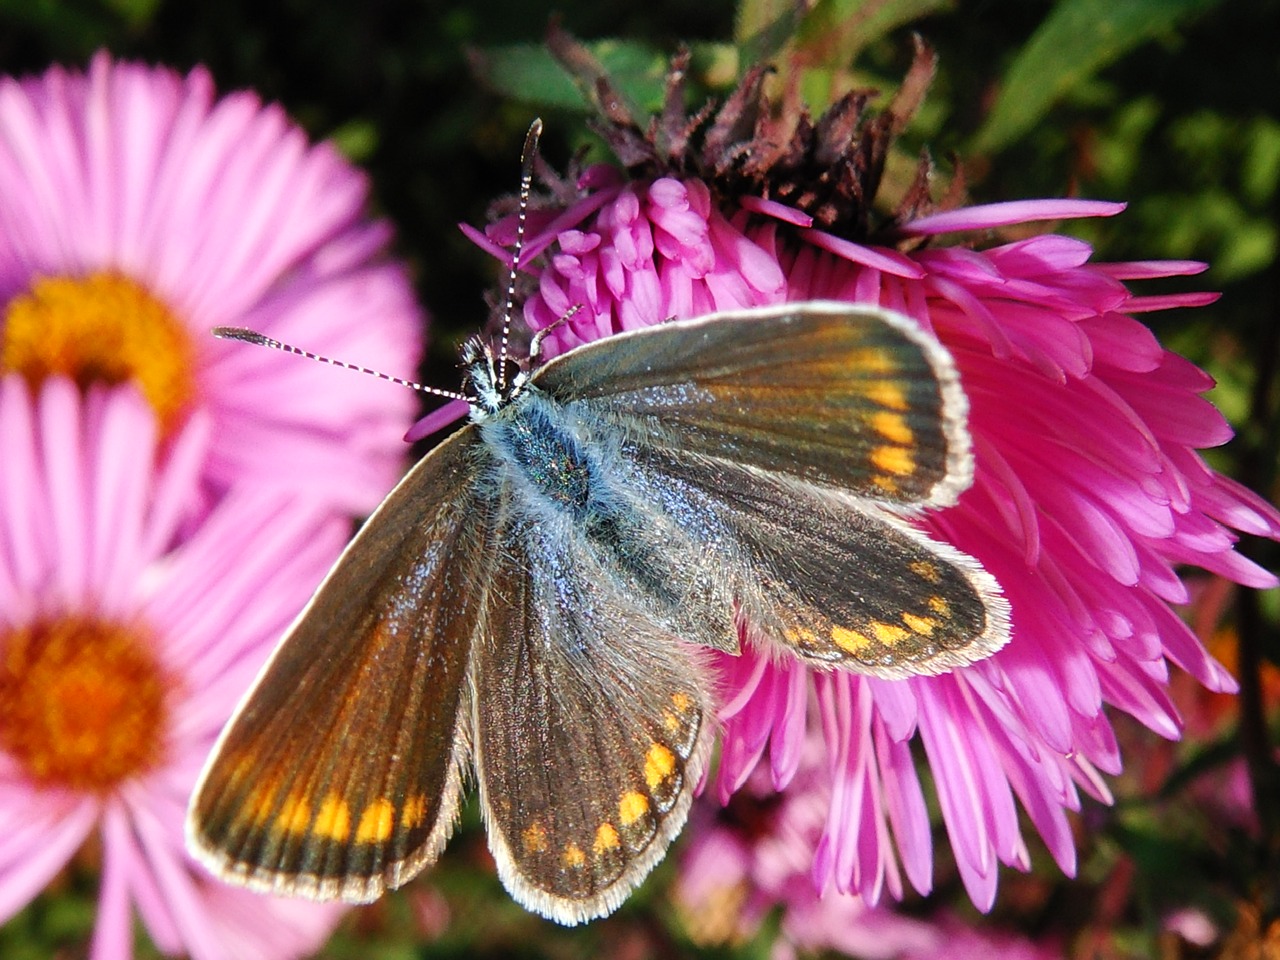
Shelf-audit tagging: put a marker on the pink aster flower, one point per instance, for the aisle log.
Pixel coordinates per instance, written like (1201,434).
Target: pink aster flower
(1089,490)
(750,860)
(953,939)
(138,210)
(122,654)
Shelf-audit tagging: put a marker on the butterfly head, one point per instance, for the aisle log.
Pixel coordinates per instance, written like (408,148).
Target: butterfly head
(490,381)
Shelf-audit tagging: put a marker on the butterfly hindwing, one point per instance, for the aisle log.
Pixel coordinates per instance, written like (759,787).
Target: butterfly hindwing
(590,728)
(834,584)
(340,774)
(836,394)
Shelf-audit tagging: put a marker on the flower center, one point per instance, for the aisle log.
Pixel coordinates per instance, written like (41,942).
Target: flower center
(82,702)
(100,328)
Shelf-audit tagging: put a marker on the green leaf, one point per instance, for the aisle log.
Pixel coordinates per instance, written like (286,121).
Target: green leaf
(843,28)
(136,13)
(75,30)
(762,28)
(1260,171)
(527,73)
(1078,38)
(357,139)
(830,34)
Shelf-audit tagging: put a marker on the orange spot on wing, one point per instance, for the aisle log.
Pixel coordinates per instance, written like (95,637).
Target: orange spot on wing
(333,820)
(534,838)
(893,427)
(659,764)
(887,393)
(850,641)
(573,856)
(606,838)
(262,801)
(414,812)
(377,822)
(800,636)
(926,570)
(921,625)
(631,807)
(294,815)
(888,633)
(896,460)
(887,484)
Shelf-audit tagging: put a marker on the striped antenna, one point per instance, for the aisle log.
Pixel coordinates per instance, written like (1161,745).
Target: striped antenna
(527,156)
(258,339)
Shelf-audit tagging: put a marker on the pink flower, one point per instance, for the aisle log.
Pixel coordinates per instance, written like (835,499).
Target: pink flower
(138,210)
(122,653)
(754,858)
(955,940)
(750,861)
(1089,494)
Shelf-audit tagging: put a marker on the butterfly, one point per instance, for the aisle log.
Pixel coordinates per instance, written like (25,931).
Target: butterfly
(534,602)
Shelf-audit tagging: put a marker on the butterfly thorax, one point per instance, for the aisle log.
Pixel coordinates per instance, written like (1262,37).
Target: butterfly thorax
(531,435)
(547,462)
(562,475)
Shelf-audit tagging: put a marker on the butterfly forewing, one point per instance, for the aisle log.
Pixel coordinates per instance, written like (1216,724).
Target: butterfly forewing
(340,774)
(845,396)
(590,731)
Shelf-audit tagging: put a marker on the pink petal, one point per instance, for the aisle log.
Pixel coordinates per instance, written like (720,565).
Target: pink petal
(779,211)
(988,216)
(113,926)
(880,258)
(1152,269)
(33,852)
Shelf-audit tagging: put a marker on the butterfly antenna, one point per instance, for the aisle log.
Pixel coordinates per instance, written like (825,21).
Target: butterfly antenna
(258,339)
(527,157)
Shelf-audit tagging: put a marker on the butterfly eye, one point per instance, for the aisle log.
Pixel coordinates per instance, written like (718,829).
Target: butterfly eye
(510,372)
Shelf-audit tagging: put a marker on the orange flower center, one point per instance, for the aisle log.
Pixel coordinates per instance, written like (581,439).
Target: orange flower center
(100,328)
(82,702)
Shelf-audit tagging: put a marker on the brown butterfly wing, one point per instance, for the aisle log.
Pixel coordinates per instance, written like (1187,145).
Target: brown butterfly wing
(591,729)
(840,395)
(340,774)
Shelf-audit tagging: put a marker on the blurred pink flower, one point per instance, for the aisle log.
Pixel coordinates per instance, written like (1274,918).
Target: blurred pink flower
(1088,494)
(138,210)
(1194,926)
(754,857)
(750,861)
(122,655)
(953,939)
